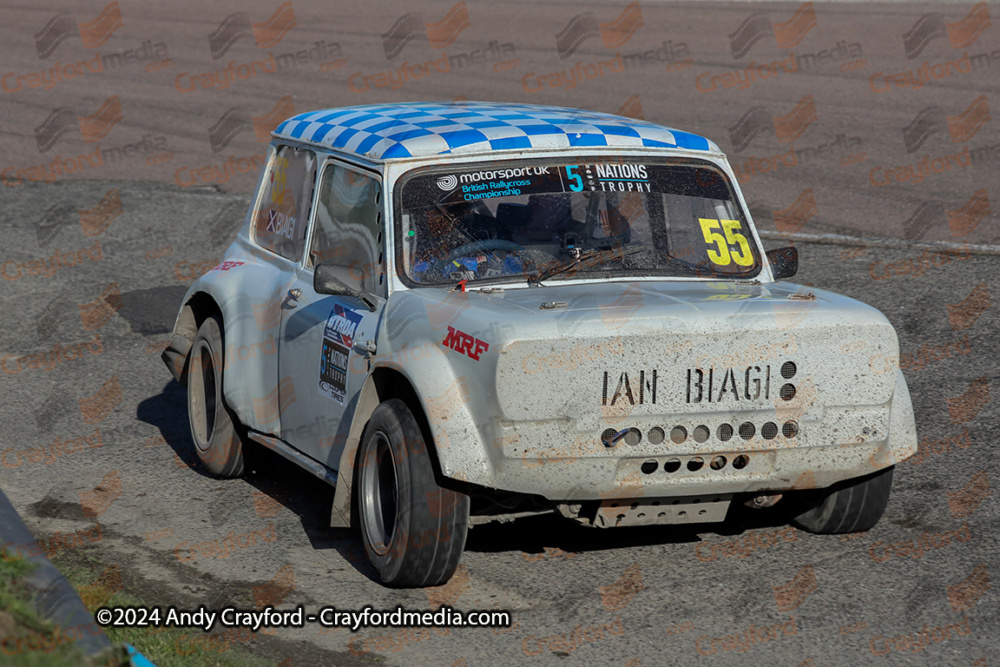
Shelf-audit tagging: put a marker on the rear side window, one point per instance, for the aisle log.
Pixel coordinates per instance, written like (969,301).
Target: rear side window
(282,216)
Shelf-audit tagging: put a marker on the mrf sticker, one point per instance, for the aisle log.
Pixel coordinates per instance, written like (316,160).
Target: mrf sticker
(338,340)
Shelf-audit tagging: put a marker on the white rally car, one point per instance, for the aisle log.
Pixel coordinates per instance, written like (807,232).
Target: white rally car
(461,312)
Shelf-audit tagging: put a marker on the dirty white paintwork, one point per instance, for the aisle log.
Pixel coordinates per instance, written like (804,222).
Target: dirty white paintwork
(527,416)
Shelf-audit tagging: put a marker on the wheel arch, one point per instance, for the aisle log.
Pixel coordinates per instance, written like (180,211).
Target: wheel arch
(199,307)
(383,384)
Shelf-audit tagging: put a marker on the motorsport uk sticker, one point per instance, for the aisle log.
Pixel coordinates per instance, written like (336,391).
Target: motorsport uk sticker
(338,340)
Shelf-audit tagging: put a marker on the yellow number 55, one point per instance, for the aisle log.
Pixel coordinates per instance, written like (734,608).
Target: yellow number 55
(726,254)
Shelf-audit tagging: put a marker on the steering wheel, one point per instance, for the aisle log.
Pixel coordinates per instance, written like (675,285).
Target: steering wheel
(485,244)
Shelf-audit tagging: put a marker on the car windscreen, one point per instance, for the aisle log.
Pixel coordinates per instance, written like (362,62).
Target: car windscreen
(588,219)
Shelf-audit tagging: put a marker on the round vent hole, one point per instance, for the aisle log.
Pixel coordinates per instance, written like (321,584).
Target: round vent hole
(725,432)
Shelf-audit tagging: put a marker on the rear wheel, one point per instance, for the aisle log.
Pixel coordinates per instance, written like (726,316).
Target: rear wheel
(848,507)
(413,529)
(213,427)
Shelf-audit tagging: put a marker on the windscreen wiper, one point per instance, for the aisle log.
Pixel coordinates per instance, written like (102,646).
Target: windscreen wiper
(590,257)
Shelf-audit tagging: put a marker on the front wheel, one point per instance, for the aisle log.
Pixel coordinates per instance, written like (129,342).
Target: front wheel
(851,506)
(413,529)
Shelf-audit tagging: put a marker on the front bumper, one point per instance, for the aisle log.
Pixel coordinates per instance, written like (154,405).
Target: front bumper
(786,451)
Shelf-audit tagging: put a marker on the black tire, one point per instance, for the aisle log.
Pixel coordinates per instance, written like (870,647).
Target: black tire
(851,506)
(213,427)
(413,529)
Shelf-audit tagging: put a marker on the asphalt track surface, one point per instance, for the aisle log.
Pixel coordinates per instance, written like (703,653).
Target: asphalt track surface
(112,426)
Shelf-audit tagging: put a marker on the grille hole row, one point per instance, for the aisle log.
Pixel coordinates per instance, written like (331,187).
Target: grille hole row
(701,433)
(656,503)
(694,464)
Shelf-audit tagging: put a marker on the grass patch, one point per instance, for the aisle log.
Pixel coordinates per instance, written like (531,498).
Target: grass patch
(102,586)
(25,639)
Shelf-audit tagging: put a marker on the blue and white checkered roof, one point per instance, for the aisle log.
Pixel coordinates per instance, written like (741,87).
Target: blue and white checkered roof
(419,129)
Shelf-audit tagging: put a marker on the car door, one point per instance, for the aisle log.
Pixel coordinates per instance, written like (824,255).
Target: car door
(278,226)
(322,347)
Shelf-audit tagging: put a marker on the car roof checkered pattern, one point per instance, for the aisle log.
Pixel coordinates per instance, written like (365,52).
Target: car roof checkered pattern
(384,132)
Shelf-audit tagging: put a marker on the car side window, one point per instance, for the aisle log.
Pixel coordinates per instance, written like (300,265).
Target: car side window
(282,216)
(348,227)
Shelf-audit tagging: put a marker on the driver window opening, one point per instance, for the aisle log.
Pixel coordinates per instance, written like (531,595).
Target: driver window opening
(348,228)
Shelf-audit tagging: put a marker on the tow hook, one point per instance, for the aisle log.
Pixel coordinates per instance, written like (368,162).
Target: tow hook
(763,500)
